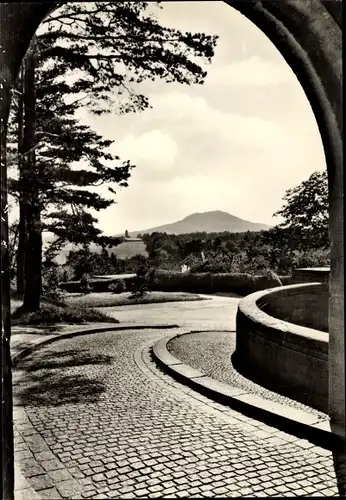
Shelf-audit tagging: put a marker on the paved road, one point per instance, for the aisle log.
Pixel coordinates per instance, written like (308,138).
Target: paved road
(215,313)
(101,421)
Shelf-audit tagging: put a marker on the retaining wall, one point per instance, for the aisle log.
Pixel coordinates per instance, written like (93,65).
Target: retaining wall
(304,305)
(288,358)
(310,275)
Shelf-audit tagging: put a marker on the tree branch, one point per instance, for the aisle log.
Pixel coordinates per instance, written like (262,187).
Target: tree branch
(50,134)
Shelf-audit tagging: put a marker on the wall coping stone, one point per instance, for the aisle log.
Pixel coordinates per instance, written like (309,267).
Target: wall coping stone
(249,306)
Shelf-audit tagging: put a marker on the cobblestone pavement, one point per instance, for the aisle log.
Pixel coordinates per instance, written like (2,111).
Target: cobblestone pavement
(24,336)
(100,420)
(210,352)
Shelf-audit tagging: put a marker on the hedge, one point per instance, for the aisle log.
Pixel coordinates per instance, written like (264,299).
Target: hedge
(241,283)
(206,283)
(97,285)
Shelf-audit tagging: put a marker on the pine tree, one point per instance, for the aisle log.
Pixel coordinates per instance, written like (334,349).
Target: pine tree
(113,46)
(61,193)
(107,46)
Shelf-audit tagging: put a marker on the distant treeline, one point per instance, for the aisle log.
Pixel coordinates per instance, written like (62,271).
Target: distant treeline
(277,249)
(280,250)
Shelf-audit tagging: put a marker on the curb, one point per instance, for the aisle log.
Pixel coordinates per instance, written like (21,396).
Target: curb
(75,333)
(293,421)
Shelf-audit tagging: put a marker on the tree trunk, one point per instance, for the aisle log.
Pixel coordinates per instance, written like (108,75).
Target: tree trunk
(33,268)
(22,236)
(5,316)
(21,250)
(31,201)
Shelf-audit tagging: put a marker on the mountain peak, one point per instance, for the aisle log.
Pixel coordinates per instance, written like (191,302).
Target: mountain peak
(209,222)
(212,214)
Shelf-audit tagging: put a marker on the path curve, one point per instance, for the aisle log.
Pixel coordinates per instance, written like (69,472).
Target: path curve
(215,313)
(100,420)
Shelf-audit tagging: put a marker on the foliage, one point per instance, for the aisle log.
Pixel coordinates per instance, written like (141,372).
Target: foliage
(84,261)
(51,313)
(51,278)
(118,287)
(131,264)
(319,257)
(104,263)
(144,281)
(85,284)
(305,211)
(275,249)
(13,230)
(64,192)
(90,55)
(278,249)
(115,45)
(207,283)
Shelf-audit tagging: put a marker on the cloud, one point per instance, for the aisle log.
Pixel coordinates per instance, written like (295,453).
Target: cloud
(253,72)
(153,150)
(160,202)
(194,116)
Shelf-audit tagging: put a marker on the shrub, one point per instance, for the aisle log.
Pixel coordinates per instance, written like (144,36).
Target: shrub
(67,274)
(118,287)
(268,279)
(311,258)
(97,285)
(52,313)
(141,283)
(175,281)
(85,284)
(51,291)
(240,283)
(285,280)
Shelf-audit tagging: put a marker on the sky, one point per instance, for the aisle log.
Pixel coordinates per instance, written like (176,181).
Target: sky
(236,143)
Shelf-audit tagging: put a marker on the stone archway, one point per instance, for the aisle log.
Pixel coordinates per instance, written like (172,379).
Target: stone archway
(308,35)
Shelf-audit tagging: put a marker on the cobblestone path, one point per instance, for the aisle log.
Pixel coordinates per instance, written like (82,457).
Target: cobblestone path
(100,420)
(211,353)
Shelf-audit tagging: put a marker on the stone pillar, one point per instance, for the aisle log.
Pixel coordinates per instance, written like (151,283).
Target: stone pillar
(337,387)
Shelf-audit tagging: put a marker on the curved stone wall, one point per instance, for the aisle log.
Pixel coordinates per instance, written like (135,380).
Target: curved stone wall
(303,304)
(286,357)
(310,275)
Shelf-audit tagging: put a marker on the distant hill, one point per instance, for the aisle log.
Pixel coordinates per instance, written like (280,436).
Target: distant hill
(210,222)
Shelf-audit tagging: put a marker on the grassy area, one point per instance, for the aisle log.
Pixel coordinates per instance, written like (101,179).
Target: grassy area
(79,308)
(108,299)
(50,314)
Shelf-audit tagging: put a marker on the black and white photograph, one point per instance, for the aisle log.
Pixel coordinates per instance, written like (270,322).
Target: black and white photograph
(172,250)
